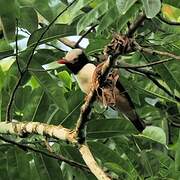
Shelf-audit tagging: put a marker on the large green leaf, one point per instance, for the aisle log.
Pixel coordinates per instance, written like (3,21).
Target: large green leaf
(23,164)
(105,128)
(122,21)
(92,16)
(154,133)
(51,87)
(12,165)
(54,32)
(177,155)
(124,5)
(3,167)
(109,18)
(107,155)
(151,7)
(28,19)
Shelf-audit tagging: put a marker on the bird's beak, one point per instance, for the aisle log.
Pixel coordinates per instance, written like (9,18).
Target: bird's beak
(62,61)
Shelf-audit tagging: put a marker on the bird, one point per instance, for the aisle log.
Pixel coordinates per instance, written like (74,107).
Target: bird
(84,71)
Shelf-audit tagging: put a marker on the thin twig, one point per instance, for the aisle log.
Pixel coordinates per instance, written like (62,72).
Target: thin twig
(51,155)
(163,88)
(16,39)
(136,69)
(168,22)
(84,35)
(154,52)
(144,65)
(8,111)
(133,27)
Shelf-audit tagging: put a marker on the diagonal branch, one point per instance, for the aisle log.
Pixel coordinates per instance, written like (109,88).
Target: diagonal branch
(154,52)
(134,26)
(163,88)
(51,155)
(58,132)
(134,67)
(84,35)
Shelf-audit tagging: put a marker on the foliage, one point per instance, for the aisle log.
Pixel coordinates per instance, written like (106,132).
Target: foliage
(54,97)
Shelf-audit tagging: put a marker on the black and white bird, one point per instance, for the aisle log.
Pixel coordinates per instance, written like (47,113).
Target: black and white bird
(78,63)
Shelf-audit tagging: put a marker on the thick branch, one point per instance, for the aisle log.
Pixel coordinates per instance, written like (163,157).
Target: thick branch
(154,52)
(92,164)
(20,128)
(58,132)
(133,27)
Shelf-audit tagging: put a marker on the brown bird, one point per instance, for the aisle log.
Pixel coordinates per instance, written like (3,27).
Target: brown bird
(111,94)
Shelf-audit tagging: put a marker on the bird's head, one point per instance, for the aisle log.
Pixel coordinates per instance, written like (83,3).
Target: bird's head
(75,60)
(71,57)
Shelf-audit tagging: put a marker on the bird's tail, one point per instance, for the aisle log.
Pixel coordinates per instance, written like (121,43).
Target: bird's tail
(137,122)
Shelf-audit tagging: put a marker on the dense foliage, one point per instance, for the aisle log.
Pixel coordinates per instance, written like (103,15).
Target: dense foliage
(48,93)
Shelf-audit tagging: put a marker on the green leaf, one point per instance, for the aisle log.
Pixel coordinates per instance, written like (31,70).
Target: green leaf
(31,108)
(177,154)
(54,32)
(12,166)
(66,79)
(43,7)
(3,167)
(23,163)
(109,18)
(9,25)
(106,155)
(110,128)
(28,19)
(72,12)
(122,21)
(152,7)
(51,87)
(92,16)
(124,5)
(154,133)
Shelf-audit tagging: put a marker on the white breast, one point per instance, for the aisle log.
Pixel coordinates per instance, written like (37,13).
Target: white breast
(84,77)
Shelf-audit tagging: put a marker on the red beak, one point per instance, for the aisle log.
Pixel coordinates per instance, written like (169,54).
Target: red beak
(62,61)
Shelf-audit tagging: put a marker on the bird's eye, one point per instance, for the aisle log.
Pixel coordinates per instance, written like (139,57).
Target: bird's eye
(75,60)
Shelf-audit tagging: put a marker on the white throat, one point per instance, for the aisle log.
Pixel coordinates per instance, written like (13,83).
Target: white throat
(84,77)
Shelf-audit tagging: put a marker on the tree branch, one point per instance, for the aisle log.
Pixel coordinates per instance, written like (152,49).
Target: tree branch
(92,164)
(154,52)
(51,155)
(58,132)
(133,27)
(84,35)
(16,39)
(163,88)
(136,68)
